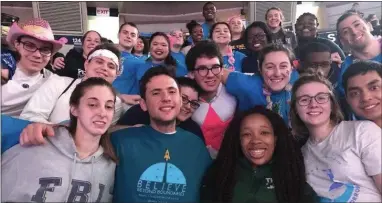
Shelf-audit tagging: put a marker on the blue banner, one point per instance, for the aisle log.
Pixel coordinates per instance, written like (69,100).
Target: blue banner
(72,40)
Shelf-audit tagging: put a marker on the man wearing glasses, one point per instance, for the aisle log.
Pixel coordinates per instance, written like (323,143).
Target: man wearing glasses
(190,102)
(217,107)
(317,56)
(35,44)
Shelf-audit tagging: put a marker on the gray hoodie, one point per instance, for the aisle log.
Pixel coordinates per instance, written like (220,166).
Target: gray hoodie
(53,173)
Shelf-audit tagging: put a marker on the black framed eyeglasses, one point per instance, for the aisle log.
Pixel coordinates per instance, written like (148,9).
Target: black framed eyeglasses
(45,51)
(194,104)
(203,70)
(320,98)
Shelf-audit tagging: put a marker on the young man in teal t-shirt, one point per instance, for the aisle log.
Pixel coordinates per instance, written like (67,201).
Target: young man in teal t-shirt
(159,162)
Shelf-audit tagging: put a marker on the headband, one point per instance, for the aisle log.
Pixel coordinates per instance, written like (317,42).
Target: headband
(105,53)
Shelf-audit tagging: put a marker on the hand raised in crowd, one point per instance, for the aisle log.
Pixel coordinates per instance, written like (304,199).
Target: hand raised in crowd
(336,58)
(59,63)
(34,134)
(130,99)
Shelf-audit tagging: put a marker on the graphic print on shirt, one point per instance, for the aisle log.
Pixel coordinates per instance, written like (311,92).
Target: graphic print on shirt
(79,192)
(350,192)
(162,181)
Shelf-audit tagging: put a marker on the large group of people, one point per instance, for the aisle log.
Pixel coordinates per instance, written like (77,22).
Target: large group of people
(228,114)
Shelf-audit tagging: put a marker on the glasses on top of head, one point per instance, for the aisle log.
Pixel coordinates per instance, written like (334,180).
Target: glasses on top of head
(45,51)
(203,70)
(194,104)
(320,98)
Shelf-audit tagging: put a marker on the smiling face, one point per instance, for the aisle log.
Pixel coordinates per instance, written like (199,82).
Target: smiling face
(197,34)
(257,39)
(188,94)
(163,100)
(221,34)
(208,82)
(159,48)
(128,36)
(364,95)
(257,139)
(209,12)
(33,61)
(306,27)
(354,33)
(91,40)
(236,25)
(138,48)
(276,70)
(315,113)
(274,18)
(101,66)
(95,111)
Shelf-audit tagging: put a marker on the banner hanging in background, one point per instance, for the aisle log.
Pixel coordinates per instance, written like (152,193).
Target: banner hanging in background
(72,40)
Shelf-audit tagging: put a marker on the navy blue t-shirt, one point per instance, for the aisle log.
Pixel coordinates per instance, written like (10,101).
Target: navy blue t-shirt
(158,167)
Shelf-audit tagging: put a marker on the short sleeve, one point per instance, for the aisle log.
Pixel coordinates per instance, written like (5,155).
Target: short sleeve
(369,139)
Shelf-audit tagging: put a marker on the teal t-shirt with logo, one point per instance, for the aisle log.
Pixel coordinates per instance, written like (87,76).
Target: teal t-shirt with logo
(158,167)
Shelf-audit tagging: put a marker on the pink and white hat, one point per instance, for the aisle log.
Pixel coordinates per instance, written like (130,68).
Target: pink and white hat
(37,28)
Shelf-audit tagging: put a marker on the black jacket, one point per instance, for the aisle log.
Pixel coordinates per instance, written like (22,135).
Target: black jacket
(74,64)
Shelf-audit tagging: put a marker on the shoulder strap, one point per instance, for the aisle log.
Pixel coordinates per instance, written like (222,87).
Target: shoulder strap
(66,89)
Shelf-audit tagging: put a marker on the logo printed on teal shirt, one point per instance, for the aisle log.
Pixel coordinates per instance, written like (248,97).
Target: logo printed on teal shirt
(162,181)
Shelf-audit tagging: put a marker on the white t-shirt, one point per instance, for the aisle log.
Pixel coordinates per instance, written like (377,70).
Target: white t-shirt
(16,92)
(47,106)
(341,167)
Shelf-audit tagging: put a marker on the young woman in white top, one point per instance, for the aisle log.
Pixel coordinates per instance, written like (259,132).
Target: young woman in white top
(35,45)
(342,158)
(50,103)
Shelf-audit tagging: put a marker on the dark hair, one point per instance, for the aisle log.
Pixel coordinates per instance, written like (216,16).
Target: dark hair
(277,9)
(261,25)
(149,74)
(311,48)
(191,25)
(145,46)
(288,169)
(307,14)
(105,40)
(127,23)
(208,3)
(204,48)
(188,82)
(169,61)
(273,48)
(343,17)
(360,68)
(220,23)
(310,76)
(369,17)
(74,101)
(110,47)
(86,34)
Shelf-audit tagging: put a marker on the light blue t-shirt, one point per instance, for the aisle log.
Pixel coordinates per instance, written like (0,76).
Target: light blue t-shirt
(11,129)
(180,60)
(124,82)
(345,65)
(248,90)
(158,167)
(238,56)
